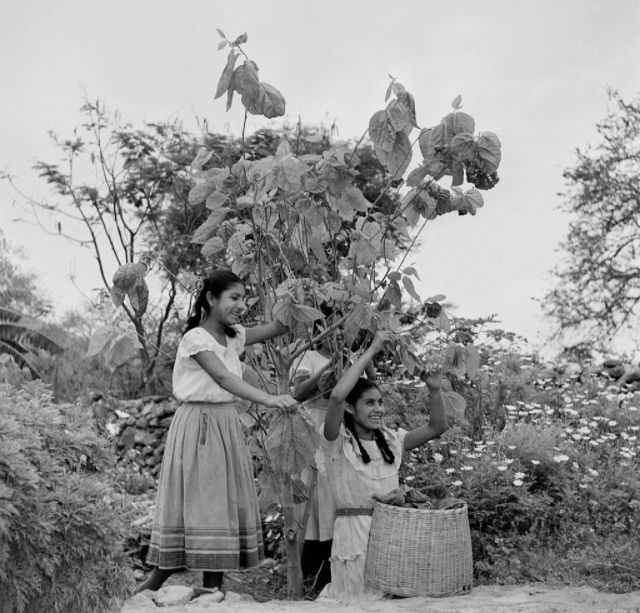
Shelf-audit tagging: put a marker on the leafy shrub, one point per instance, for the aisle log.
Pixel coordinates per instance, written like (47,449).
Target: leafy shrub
(61,521)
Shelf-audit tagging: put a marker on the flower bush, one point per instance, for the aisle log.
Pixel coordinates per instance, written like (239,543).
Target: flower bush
(550,471)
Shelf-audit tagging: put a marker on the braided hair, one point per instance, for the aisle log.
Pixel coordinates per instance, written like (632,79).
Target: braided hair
(216,283)
(361,386)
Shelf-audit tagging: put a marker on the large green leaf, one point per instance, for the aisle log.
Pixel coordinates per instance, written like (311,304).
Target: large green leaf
(382,132)
(288,173)
(472,200)
(407,101)
(431,140)
(417,175)
(398,159)
(123,348)
(393,295)
(225,79)
(100,339)
(472,360)
(356,199)
(212,246)
(360,318)
(463,146)
(455,406)
(271,103)
(129,280)
(458,122)
(287,312)
(408,285)
(291,443)
(368,229)
(418,202)
(399,117)
(489,150)
(200,191)
(216,199)
(207,229)
(247,84)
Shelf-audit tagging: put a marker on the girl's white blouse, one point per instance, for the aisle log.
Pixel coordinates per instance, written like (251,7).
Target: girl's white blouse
(190,382)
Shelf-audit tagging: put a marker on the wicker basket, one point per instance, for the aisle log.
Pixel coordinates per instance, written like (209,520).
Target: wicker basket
(419,552)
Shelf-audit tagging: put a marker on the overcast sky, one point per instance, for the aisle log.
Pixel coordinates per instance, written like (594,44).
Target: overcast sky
(534,72)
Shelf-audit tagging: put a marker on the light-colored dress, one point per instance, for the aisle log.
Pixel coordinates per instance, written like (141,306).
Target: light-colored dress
(320,521)
(206,516)
(353,483)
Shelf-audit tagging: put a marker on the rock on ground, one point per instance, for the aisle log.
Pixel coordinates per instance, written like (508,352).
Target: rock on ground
(483,599)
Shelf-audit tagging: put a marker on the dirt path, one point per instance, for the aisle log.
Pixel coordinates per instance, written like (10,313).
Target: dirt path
(483,599)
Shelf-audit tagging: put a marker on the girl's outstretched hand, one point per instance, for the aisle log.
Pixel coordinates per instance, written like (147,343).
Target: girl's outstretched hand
(431,375)
(382,337)
(284,401)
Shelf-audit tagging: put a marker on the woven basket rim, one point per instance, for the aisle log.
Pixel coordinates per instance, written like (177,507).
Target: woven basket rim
(411,509)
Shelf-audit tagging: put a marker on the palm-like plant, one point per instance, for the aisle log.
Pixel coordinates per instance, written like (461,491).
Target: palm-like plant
(20,336)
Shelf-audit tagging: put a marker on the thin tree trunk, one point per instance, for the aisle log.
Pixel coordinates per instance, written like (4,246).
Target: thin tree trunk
(292,532)
(292,540)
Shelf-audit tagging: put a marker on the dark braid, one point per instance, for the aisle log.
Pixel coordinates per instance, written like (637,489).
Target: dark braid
(348,424)
(383,445)
(216,283)
(361,386)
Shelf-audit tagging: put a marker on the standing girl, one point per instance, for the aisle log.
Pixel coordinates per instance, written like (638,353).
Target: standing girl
(363,458)
(311,374)
(206,516)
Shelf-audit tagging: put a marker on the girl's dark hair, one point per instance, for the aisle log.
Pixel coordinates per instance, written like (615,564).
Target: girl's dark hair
(216,283)
(361,386)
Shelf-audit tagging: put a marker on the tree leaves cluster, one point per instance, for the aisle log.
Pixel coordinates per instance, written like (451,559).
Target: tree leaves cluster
(298,228)
(597,289)
(389,129)
(448,149)
(257,97)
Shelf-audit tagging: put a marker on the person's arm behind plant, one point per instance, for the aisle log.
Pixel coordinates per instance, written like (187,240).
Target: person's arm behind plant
(309,387)
(264,332)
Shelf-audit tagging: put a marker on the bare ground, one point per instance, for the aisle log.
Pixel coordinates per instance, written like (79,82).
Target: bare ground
(483,599)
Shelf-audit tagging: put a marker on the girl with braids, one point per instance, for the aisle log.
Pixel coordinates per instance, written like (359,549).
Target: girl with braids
(362,458)
(206,516)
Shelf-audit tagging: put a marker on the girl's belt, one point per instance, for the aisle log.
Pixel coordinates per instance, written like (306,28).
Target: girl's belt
(209,405)
(354,511)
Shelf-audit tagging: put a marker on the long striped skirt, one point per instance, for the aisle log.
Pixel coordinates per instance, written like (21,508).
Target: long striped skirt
(206,515)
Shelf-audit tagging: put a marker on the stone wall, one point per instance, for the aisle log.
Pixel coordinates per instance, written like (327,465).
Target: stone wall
(138,428)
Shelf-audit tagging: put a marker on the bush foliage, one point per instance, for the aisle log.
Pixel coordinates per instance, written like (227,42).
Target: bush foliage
(61,522)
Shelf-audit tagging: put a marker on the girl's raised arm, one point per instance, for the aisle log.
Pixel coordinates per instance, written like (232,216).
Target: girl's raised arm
(264,332)
(235,385)
(437,417)
(349,378)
